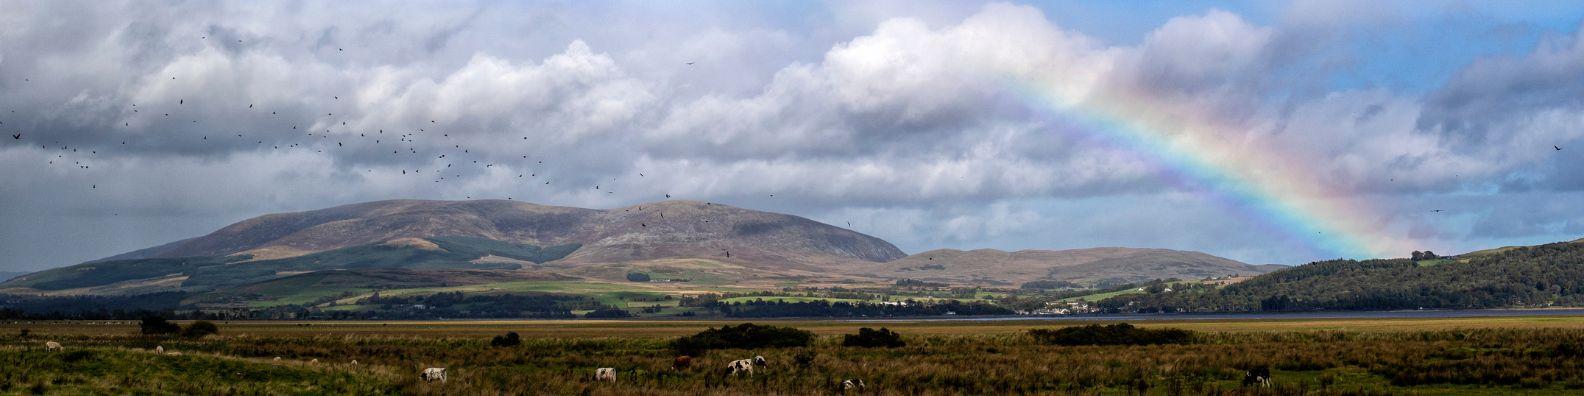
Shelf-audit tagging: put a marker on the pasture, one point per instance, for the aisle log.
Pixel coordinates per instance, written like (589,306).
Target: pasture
(1316,356)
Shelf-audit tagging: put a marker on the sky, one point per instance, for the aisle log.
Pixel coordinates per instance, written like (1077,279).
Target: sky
(1265,132)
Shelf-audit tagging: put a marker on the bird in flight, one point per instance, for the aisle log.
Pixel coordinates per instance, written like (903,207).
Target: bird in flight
(1557,148)
(1437,210)
(16,136)
(690,63)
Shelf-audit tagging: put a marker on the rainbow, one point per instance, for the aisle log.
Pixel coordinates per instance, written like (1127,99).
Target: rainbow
(1273,187)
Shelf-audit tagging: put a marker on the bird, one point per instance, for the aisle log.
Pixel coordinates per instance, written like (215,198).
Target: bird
(16,136)
(690,63)
(1437,210)
(1557,148)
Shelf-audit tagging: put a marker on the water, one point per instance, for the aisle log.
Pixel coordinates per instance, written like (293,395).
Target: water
(1420,314)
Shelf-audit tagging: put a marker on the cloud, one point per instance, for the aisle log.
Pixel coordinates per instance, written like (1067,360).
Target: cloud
(912,121)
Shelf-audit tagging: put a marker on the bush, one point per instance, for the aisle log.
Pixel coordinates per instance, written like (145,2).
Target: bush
(154,325)
(744,336)
(200,329)
(511,339)
(871,338)
(803,359)
(637,277)
(608,313)
(1117,334)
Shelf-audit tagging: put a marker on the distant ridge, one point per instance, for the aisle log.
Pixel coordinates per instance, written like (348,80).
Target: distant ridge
(1092,266)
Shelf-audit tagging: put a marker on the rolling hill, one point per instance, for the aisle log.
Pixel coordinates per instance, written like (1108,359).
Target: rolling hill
(1531,276)
(1088,267)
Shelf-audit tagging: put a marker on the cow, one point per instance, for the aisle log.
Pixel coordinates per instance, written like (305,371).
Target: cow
(682,363)
(1257,376)
(746,365)
(852,384)
(159,349)
(605,374)
(433,373)
(53,346)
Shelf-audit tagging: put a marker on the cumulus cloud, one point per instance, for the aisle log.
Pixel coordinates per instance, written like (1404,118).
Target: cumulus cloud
(916,128)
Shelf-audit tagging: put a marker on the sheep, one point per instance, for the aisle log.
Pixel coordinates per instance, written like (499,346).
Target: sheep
(607,374)
(852,384)
(1257,376)
(159,349)
(433,373)
(746,365)
(53,346)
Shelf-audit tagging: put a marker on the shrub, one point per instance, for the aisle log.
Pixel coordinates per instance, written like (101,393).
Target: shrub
(1117,334)
(745,336)
(637,277)
(200,329)
(608,313)
(803,359)
(154,325)
(871,338)
(511,339)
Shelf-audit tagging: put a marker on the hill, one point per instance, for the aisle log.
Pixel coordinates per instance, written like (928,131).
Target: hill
(642,256)
(641,232)
(474,235)
(1534,276)
(1087,267)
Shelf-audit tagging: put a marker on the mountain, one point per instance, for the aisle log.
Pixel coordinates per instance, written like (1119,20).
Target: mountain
(338,255)
(690,238)
(641,232)
(1088,267)
(1532,276)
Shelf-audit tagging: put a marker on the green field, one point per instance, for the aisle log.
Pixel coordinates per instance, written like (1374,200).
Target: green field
(1536,355)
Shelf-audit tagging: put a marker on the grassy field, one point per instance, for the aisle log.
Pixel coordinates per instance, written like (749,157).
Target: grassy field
(1541,354)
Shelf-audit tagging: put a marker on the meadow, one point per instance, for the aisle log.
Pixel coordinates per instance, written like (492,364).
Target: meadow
(1541,355)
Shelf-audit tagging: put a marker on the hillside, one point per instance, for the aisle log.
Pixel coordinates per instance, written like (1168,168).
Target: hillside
(332,258)
(690,239)
(1089,267)
(1535,276)
(641,232)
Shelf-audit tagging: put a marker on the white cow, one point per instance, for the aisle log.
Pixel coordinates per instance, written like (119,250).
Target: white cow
(746,366)
(53,346)
(433,373)
(605,374)
(853,384)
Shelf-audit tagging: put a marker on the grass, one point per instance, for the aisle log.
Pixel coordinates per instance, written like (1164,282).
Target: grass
(1313,356)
